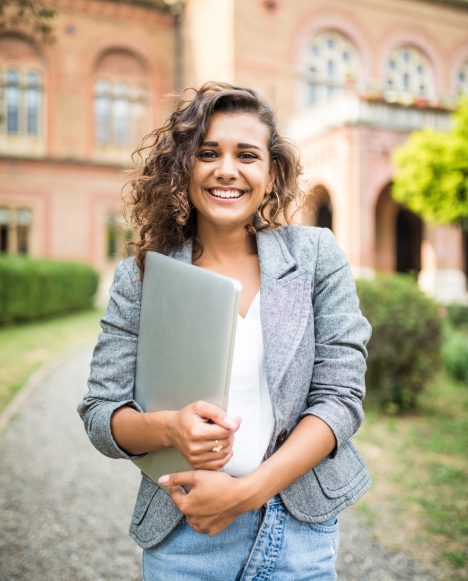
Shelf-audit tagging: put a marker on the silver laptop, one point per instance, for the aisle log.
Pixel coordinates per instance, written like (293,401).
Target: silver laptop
(185,346)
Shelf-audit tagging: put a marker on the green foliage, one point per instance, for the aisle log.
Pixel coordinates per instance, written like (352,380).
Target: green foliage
(457,316)
(431,172)
(455,352)
(35,289)
(404,351)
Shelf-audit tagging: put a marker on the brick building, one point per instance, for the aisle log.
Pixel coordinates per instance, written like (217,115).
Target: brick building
(349,82)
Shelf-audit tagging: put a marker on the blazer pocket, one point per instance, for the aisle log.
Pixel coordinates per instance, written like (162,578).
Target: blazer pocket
(146,493)
(339,475)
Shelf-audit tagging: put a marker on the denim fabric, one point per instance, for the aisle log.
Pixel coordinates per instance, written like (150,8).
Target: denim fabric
(267,544)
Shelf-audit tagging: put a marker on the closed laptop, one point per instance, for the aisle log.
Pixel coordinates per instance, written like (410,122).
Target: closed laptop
(185,346)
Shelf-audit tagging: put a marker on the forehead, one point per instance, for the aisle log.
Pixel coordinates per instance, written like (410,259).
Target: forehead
(238,128)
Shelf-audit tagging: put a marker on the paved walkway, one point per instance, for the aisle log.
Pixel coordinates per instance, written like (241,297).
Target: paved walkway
(65,509)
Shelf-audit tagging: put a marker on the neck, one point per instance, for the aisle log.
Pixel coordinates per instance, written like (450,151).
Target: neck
(224,246)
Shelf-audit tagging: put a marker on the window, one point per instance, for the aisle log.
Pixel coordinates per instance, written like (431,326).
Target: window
(15,230)
(21,97)
(119,110)
(120,102)
(23,224)
(4,229)
(408,71)
(117,235)
(330,62)
(462,80)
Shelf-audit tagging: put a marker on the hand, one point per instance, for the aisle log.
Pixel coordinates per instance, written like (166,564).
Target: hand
(204,435)
(213,502)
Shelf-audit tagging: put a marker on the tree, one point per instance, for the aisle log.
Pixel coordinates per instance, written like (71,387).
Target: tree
(431,176)
(32,13)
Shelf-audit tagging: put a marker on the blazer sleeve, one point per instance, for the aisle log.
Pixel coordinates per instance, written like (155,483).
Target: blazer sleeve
(112,375)
(341,334)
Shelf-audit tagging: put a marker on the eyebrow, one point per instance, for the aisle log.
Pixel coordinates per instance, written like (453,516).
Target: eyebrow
(239,145)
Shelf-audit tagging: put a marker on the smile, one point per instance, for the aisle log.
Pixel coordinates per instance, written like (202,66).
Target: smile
(226,194)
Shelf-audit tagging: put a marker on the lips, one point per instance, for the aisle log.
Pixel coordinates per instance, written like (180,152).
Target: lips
(226,194)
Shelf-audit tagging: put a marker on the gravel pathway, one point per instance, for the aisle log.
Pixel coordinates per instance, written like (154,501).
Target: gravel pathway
(65,509)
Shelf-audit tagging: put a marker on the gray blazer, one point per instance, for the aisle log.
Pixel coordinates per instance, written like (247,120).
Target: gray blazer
(314,346)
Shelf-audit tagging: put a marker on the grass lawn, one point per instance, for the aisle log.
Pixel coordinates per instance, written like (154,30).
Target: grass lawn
(419,465)
(24,348)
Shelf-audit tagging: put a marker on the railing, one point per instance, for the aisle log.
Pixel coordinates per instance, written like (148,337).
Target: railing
(369,110)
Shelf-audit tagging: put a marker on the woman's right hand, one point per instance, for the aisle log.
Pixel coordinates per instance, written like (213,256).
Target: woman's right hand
(204,435)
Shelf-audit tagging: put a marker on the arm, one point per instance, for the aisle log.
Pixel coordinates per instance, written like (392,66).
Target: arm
(341,334)
(193,430)
(217,499)
(115,423)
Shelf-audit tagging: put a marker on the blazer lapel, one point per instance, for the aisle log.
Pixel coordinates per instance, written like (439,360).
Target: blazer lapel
(284,308)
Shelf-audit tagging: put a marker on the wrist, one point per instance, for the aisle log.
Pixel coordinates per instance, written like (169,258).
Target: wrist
(253,490)
(159,425)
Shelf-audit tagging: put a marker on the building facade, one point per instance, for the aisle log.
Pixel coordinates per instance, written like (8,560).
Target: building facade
(349,83)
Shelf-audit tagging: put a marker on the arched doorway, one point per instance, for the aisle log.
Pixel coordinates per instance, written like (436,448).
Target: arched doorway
(398,236)
(408,241)
(318,210)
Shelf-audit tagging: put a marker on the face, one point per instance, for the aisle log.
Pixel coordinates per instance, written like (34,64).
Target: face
(232,171)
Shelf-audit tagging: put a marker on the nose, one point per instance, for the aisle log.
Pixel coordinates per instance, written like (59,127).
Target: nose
(226,168)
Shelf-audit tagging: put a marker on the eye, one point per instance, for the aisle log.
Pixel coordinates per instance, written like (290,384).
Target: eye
(248,156)
(207,155)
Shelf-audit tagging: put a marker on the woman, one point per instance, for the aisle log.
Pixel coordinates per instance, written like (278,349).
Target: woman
(262,499)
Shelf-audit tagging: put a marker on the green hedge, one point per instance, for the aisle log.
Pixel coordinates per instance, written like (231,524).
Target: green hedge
(33,289)
(404,351)
(457,315)
(455,352)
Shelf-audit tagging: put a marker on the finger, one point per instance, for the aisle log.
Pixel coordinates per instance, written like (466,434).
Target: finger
(213,464)
(199,463)
(178,479)
(178,495)
(210,447)
(216,414)
(212,432)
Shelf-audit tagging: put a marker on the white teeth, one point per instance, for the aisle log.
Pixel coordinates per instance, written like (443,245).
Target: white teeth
(226,193)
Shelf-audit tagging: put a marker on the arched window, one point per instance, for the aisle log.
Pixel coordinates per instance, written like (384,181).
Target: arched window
(462,80)
(120,101)
(331,61)
(22,98)
(408,71)
(22,102)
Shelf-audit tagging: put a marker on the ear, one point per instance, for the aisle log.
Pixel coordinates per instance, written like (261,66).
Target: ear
(272,176)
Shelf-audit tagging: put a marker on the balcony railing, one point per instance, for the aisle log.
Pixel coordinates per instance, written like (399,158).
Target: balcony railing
(372,110)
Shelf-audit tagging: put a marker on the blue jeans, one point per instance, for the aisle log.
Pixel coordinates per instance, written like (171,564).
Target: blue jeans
(267,544)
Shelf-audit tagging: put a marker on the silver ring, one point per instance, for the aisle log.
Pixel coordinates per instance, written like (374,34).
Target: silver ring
(217,447)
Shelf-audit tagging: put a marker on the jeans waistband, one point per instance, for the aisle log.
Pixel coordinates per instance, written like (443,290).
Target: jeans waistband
(274,500)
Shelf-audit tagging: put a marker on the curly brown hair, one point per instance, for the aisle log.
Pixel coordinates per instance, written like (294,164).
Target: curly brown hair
(158,200)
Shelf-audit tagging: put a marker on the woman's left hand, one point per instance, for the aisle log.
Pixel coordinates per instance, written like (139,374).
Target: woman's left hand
(213,502)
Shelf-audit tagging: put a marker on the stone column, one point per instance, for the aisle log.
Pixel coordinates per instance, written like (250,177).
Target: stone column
(442,273)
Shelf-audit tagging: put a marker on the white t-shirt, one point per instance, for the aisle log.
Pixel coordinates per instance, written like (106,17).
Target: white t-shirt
(249,397)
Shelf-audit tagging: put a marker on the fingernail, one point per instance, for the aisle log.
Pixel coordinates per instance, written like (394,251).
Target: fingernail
(164,479)
(229,422)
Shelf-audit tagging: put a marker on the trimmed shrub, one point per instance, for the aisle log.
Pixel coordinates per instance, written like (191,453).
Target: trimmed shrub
(404,351)
(457,315)
(34,289)
(455,352)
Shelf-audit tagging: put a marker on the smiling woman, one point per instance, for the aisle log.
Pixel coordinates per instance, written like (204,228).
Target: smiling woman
(272,471)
